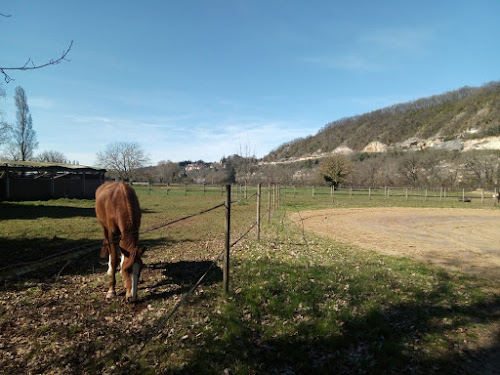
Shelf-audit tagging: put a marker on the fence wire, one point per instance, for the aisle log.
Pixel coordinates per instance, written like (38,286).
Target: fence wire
(19,269)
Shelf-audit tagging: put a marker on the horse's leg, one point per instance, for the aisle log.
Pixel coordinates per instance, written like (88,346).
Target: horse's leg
(113,262)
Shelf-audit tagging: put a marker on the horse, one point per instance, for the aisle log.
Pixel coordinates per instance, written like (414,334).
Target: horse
(117,209)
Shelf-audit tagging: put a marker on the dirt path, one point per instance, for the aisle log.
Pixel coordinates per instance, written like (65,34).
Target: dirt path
(460,239)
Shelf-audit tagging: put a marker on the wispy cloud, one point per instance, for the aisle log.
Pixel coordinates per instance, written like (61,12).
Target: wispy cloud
(377,50)
(346,62)
(405,41)
(40,102)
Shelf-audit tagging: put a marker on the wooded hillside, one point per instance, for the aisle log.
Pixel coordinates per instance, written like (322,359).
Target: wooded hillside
(460,114)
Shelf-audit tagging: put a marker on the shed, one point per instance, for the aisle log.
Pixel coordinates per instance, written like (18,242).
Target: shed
(30,180)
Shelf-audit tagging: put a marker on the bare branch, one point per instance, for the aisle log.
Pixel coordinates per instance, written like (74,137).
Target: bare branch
(30,65)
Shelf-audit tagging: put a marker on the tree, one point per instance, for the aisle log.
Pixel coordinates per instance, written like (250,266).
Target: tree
(167,171)
(123,158)
(4,127)
(335,169)
(24,137)
(30,64)
(52,156)
(411,167)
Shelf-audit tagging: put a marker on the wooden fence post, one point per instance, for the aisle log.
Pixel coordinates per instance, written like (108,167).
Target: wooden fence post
(227,239)
(278,192)
(259,189)
(369,193)
(269,203)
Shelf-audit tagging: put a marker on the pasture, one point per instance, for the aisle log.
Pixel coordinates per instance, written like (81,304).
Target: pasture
(298,303)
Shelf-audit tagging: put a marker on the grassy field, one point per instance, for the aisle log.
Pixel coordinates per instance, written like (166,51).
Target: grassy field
(298,303)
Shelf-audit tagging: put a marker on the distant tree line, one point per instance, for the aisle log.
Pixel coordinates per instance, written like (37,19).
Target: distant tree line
(418,169)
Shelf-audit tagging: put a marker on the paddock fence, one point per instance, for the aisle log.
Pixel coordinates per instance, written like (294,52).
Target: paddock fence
(17,270)
(325,192)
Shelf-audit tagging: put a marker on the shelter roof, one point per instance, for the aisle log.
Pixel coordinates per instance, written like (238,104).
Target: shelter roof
(48,166)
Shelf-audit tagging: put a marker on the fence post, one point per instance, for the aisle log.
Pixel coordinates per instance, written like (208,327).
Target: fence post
(369,193)
(227,240)
(463,194)
(425,194)
(313,191)
(269,203)
(406,193)
(279,196)
(259,189)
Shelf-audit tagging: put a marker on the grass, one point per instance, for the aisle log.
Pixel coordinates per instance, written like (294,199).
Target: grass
(298,304)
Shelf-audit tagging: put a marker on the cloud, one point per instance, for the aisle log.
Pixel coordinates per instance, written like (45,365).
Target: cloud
(376,51)
(346,62)
(401,40)
(41,102)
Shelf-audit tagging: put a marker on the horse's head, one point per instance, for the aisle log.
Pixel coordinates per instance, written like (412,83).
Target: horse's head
(131,271)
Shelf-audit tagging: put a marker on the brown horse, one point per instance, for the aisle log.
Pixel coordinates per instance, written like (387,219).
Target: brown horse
(117,209)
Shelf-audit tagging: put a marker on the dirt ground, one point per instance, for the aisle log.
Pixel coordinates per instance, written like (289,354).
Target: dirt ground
(459,239)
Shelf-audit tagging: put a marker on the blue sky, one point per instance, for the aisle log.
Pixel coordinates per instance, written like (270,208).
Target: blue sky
(199,79)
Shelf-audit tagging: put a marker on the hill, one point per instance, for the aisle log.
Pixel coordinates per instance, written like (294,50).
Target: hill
(467,118)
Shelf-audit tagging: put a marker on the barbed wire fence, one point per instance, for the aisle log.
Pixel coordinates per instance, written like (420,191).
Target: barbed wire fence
(19,269)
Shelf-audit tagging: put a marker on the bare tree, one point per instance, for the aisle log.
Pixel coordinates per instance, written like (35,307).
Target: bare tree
(24,137)
(123,158)
(481,168)
(30,64)
(4,127)
(52,156)
(411,168)
(167,171)
(246,164)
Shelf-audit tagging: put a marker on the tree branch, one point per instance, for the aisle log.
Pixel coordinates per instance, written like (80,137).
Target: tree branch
(30,65)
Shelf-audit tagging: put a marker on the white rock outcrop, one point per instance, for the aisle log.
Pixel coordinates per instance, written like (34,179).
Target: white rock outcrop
(375,146)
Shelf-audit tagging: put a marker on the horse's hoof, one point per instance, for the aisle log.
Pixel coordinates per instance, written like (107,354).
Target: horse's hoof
(110,294)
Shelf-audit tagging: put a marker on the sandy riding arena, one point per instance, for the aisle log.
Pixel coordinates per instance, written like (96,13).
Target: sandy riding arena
(460,239)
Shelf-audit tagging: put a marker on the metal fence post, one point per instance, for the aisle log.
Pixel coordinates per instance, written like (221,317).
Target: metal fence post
(227,239)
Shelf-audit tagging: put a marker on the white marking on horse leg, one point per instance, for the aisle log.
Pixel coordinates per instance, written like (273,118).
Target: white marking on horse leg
(121,262)
(109,266)
(135,280)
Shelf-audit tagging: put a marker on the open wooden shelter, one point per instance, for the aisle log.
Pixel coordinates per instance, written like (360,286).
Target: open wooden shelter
(29,180)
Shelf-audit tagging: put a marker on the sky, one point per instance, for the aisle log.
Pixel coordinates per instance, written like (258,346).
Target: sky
(200,79)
